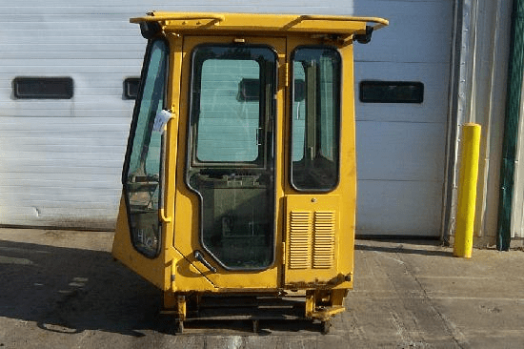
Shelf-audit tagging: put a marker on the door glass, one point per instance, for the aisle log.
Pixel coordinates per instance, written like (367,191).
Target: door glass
(231,160)
(227,127)
(143,166)
(315,118)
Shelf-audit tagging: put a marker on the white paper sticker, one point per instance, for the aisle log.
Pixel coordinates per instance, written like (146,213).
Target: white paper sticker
(161,119)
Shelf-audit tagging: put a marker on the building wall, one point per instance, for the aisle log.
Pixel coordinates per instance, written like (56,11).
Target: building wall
(481,56)
(61,159)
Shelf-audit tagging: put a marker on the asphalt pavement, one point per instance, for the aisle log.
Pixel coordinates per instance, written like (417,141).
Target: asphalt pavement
(62,289)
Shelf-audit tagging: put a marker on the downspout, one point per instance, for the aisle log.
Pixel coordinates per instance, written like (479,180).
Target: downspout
(509,146)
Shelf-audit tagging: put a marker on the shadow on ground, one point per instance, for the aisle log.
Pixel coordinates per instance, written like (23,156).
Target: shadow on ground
(69,291)
(404,247)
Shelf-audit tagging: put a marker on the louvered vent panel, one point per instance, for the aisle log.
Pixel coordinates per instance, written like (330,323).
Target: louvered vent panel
(324,240)
(300,240)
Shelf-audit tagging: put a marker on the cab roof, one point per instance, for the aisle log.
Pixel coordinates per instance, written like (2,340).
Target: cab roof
(263,23)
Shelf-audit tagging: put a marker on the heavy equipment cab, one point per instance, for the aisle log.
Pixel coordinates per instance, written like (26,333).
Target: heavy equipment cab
(240,173)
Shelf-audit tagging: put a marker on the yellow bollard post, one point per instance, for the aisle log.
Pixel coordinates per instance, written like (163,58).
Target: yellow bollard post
(467,191)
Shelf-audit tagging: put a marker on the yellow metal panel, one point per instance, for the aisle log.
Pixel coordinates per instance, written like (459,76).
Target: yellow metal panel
(312,230)
(187,278)
(154,270)
(171,148)
(347,188)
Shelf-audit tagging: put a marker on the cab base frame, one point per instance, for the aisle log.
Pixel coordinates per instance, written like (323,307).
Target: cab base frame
(314,305)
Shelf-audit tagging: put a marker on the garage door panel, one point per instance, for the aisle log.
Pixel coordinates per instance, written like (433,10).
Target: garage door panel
(400,151)
(430,72)
(399,208)
(417,32)
(401,146)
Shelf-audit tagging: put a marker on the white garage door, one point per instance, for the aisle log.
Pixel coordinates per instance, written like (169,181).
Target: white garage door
(401,146)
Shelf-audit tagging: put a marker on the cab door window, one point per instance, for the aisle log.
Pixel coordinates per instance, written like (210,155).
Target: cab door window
(231,152)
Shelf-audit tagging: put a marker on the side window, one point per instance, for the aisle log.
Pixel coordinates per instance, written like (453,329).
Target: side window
(315,118)
(143,162)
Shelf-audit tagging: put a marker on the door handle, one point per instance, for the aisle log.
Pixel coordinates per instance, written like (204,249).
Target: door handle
(200,257)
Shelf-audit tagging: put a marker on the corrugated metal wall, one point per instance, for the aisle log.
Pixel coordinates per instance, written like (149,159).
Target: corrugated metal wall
(60,160)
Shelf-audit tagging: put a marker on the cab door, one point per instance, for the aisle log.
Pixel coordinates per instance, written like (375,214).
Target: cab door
(229,190)
(321,182)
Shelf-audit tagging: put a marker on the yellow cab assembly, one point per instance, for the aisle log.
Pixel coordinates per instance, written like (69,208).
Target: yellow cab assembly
(239,184)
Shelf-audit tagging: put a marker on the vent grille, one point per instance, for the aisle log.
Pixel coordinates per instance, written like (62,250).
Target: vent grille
(324,240)
(312,240)
(300,240)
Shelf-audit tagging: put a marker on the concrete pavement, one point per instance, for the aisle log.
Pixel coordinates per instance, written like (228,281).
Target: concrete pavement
(62,289)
